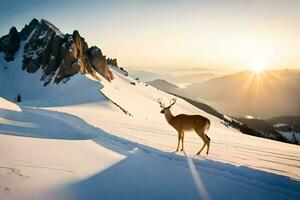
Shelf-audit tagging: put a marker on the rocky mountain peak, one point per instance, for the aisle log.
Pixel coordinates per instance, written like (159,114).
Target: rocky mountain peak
(10,43)
(58,55)
(13,31)
(25,32)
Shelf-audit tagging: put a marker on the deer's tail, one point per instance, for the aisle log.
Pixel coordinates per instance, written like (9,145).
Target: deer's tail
(207,124)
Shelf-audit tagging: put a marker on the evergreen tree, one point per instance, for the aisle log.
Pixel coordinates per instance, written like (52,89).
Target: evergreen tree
(19,98)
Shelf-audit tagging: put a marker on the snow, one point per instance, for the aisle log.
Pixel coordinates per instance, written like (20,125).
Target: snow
(291,135)
(289,132)
(34,168)
(34,57)
(70,38)
(54,28)
(68,141)
(278,125)
(89,162)
(43,35)
(4,104)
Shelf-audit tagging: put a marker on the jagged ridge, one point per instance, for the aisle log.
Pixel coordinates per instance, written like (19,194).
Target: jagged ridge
(58,55)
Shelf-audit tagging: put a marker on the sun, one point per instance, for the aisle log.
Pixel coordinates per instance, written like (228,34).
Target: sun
(257,66)
(257,69)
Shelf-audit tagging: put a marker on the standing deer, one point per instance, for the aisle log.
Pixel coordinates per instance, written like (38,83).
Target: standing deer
(185,122)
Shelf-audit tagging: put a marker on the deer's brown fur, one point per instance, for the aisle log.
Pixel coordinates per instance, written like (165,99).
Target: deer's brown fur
(183,122)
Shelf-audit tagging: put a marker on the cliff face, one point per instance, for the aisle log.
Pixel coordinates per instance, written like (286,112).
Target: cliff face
(99,62)
(59,55)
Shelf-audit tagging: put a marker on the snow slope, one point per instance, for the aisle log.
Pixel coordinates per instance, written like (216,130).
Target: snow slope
(149,127)
(8,105)
(96,163)
(72,141)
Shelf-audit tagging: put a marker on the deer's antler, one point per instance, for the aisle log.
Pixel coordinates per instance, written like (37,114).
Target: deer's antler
(160,103)
(172,102)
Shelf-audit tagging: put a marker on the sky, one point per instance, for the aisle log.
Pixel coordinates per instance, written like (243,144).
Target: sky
(175,33)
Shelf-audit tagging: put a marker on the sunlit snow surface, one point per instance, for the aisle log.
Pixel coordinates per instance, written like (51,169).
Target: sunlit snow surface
(68,141)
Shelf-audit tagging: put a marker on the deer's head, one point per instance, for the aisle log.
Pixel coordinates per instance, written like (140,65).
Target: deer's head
(162,105)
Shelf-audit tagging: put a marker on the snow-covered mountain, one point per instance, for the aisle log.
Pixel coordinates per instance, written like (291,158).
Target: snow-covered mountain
(53,57)
(91,138)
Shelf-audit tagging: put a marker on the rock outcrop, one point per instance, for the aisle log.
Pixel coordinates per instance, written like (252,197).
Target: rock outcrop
(112,61)
(10,44)
(58,55)
(99,62)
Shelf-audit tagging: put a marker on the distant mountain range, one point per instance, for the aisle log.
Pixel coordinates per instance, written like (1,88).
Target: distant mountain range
(176,76)
(197,77)
(264,95)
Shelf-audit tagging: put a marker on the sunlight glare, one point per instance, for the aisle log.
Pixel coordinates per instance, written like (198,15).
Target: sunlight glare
(257,69)
(258,66)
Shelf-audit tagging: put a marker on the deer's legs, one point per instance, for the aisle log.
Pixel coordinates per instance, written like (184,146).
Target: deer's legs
(208,144)
(179,137)
(201,149)
(202,135)
(182,141)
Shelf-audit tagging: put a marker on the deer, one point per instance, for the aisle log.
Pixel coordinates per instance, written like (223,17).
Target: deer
(183,122)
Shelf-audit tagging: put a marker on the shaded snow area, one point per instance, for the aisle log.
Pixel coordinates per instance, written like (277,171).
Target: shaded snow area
(72,141)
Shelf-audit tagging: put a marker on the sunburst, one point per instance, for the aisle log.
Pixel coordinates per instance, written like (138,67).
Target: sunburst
(257,66)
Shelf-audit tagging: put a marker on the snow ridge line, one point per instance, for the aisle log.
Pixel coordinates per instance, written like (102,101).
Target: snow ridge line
(244,175)
(125,111)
